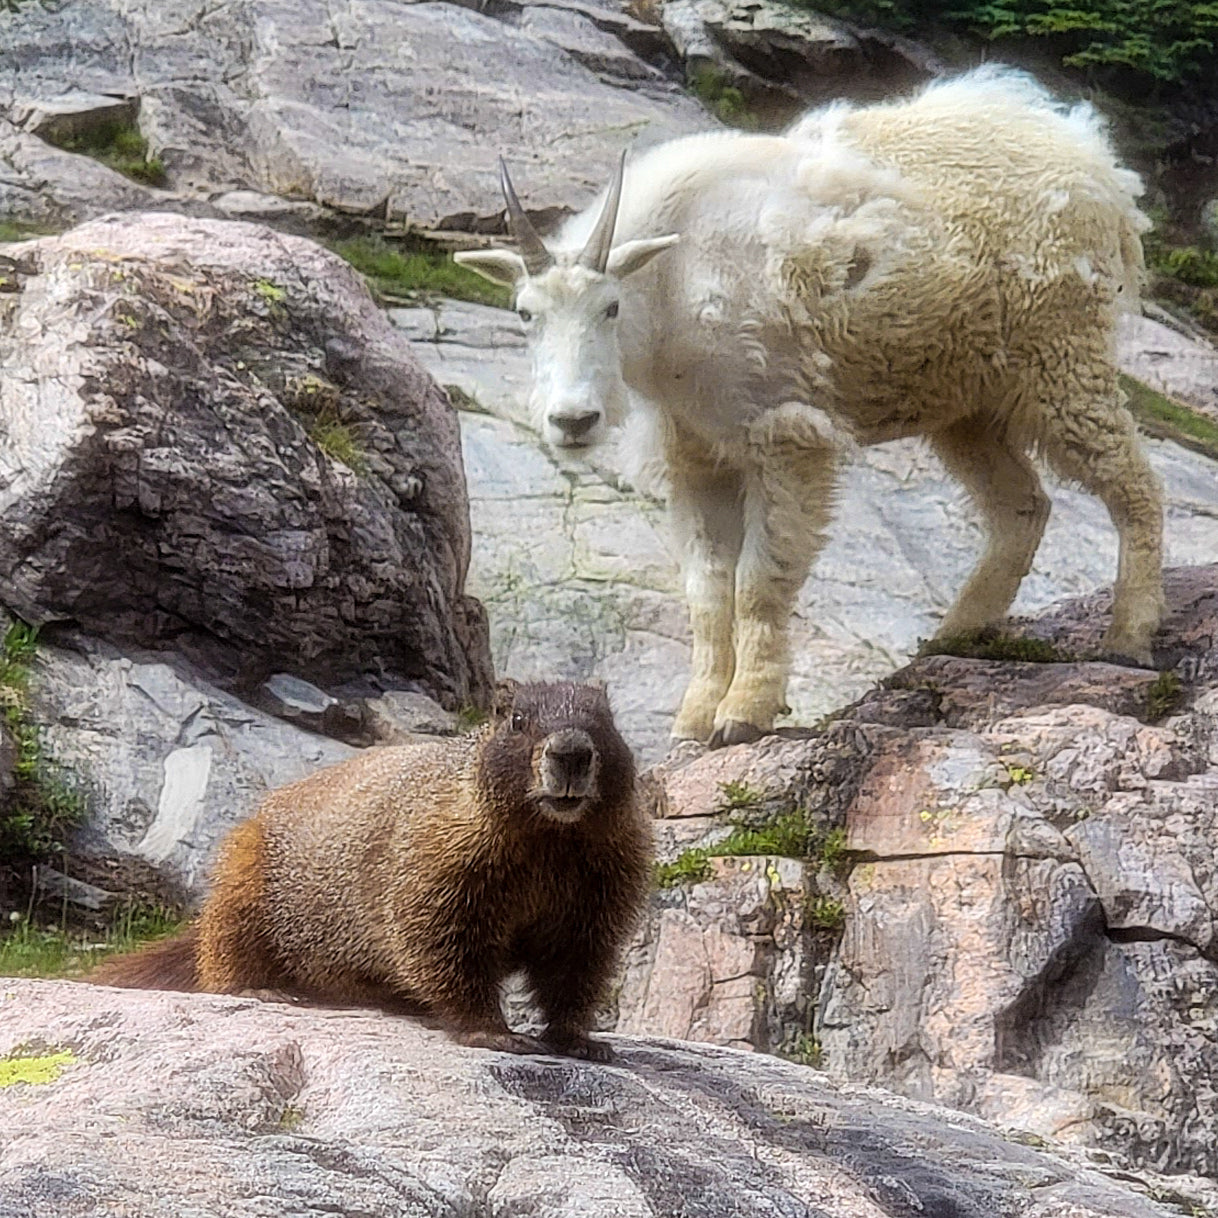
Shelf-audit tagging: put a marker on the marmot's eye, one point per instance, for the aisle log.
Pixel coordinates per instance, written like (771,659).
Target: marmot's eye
(518,721)
(611,311)
(525,315)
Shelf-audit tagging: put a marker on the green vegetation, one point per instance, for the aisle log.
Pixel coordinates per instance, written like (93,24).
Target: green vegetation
(32,1068)
(827,913)
(992,644)
(1138,42)
(118,145)
(43,808)
(738,796)
(1018,775)
(28,950)
(710,86)
(337,440)
(397,271)
(787,834)
(471,718)
(1169,420)
(21,230)
(1164,696)
(804,1049)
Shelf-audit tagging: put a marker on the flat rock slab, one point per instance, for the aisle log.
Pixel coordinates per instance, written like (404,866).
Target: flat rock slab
(158,1104)
(578,580)
(355,106)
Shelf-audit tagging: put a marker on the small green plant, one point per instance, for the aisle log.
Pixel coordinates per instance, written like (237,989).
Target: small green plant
(737,796)
(1018,775)
(397,271)
(828,848)
(991,644)
(1164,696)
(43,808)
(291,1118)
(827,913)
(470,718)
(1170,420)
(691,867)
(710,86)
(337,440)
(270,292)
(118,145)
(21,230)
(804,1049)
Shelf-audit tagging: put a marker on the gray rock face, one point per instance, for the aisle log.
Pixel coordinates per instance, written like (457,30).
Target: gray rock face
(212,440)
(579,581)
(167,762)
(1029,924)
(264,1109)
(352,106)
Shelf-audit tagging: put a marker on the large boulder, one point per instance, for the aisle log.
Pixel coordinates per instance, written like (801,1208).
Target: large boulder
(151,1104)
(401,109)
(212,440)
(1023,881)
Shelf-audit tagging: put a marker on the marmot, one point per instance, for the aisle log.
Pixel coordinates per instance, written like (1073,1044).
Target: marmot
(415,878)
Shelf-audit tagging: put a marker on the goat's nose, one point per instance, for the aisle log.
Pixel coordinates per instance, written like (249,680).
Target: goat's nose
(575,425)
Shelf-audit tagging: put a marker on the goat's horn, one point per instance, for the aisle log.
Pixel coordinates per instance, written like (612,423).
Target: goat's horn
(532,249)
(596,253)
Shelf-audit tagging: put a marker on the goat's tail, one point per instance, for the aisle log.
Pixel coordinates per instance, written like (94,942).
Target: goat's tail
(170,964)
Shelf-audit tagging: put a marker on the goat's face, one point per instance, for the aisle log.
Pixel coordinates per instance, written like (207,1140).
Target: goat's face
(569,305)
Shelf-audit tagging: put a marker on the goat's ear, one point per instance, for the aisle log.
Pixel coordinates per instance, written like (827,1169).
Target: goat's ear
(632,255)
(499,266)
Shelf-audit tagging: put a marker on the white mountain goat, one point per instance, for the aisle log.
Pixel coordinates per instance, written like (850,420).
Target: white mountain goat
(947,266)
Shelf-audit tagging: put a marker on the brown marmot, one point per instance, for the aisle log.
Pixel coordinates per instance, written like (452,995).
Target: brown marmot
(415,878)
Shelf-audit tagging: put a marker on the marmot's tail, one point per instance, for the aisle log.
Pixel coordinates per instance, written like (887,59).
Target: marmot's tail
(170,964)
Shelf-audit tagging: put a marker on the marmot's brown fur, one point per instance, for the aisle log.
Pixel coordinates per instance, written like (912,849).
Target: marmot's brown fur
(418,877)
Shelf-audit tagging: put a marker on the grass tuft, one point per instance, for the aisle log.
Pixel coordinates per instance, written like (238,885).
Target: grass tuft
(1164,696)
(30,950)
(338,441)
(397,271)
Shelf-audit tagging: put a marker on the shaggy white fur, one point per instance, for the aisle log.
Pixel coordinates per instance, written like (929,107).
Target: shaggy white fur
(948,265)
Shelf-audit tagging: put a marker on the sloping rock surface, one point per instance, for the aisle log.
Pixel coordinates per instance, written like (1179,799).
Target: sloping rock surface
(174,395)
(1025,895)
(401,108)
(157,1104)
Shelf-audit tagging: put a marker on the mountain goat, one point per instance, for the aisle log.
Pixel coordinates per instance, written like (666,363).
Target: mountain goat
(948,265)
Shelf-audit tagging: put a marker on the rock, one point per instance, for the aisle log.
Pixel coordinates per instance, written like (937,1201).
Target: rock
(264,1108)
(399,715)
(578,578)
(375,108)
(214,442)
(168,763)
(1173,363)
(1030,916)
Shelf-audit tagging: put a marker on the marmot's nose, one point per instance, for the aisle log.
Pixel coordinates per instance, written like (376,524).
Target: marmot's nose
(570,753)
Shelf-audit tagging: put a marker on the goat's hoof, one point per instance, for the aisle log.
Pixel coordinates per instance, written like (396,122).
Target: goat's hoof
(734,731)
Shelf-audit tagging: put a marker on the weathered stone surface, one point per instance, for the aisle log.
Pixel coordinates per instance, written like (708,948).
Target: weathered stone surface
(167,762)
(578,578)
(1182,367)
(1031,912)
(159,485)
(358,107)
(263,1109)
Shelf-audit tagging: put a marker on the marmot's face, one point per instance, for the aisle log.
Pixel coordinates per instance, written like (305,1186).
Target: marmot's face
(553,747)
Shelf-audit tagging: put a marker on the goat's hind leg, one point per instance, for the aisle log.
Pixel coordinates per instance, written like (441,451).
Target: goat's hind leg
(1006,488)
(1098,448)
(706,512)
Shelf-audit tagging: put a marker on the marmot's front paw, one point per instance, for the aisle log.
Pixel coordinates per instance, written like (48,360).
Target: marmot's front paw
(502,1042)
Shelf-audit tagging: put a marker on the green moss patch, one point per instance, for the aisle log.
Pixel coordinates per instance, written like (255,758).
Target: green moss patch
(119,146)
(1167,419)
(992,644)
(398,271)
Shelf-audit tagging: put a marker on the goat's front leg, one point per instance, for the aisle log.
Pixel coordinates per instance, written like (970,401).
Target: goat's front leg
(707,515)
(787,507)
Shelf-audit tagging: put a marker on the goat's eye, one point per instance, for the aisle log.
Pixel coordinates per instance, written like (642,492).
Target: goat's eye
(518,721)
(525,315)
(611,311)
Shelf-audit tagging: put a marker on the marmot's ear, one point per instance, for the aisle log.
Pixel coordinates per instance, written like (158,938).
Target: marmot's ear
(505,697)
